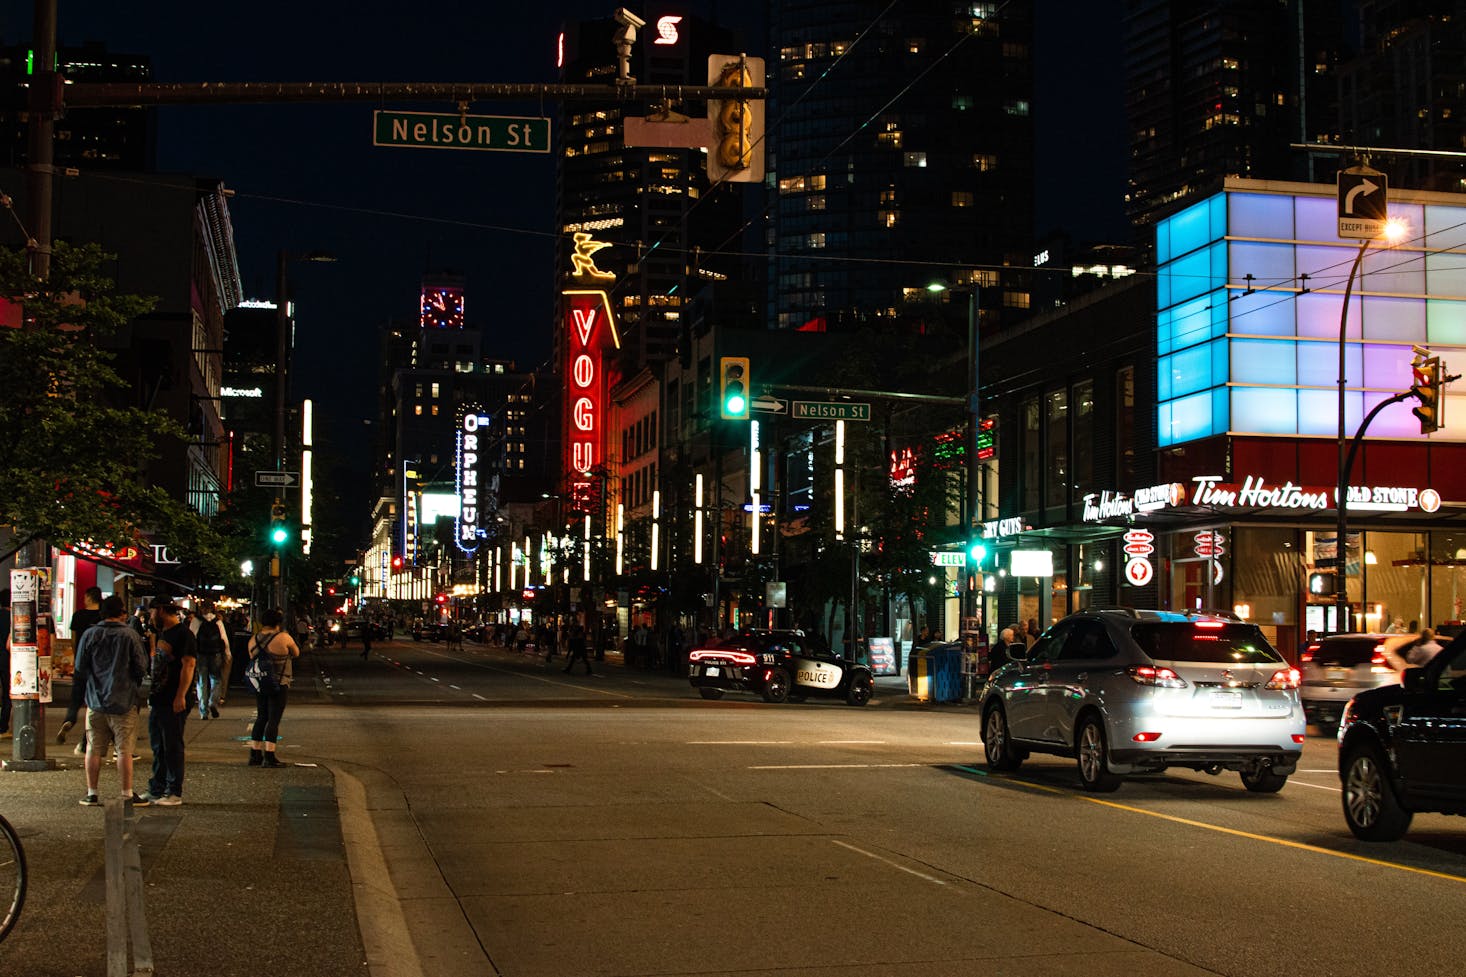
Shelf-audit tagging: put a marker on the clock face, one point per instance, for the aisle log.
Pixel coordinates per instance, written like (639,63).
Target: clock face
(442,308)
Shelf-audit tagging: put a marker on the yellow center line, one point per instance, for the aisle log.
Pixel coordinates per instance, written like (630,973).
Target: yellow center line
(1251,836)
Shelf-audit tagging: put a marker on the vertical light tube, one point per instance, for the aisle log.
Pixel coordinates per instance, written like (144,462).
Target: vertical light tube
(498,572)
(839,479)
(585,573)
(753,532)
(528,562)
(620,537)
(513,566)
(697,522)
(656,525)
(755,482)
(307,482)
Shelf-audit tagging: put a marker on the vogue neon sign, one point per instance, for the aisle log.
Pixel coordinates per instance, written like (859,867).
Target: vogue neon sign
(589,328)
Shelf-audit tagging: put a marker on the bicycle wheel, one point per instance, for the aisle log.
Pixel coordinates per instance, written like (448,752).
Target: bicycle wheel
(12,877)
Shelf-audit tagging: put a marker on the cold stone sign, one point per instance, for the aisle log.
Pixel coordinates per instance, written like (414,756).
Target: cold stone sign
(468,527)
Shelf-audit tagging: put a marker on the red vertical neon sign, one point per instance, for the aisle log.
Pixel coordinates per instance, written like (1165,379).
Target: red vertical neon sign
(588,329)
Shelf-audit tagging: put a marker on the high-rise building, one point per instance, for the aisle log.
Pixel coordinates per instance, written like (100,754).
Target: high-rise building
(900,141)
(103,138)
(651,204)
(1221,88)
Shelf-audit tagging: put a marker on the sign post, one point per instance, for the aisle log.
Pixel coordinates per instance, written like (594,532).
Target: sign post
(1363,202)
(837,410)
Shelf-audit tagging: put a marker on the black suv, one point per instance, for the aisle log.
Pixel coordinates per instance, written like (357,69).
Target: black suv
(780,666)
(1402,748)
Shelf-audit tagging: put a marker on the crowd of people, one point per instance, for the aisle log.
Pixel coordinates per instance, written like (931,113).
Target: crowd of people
(642,648)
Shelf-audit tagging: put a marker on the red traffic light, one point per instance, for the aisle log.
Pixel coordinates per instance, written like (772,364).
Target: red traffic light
(396,563)
(331,591)
(442,598)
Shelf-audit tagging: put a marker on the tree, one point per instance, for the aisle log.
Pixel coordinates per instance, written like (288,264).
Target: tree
(71,457)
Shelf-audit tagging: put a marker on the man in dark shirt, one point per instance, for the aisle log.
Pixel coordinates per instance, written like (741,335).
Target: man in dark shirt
(110,666)
(89,614)
(174,659)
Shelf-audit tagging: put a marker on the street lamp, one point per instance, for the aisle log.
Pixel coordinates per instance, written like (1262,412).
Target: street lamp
(1393,232)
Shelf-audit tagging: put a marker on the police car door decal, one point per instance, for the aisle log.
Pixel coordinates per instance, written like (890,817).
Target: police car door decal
(821,675)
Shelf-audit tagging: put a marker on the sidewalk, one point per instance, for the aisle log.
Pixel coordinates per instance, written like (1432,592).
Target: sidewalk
(249,876)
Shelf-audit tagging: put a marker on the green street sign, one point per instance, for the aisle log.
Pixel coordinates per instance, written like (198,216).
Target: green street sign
(837,410)
(446,130)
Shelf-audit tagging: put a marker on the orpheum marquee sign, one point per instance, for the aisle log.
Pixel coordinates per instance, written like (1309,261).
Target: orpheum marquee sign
(473,485)
(588,330)
(1256,492)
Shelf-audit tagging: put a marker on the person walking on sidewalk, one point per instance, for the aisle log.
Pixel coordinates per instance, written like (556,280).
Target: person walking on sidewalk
(279,648)
(111,663)
(174,661)
(366,641)
(213,649)
(83,619)
(576,648)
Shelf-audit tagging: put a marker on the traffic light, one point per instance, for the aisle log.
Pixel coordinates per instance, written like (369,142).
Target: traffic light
(733,375)
(1427,390)
(355,580)
(737,153)
(977,552)
(1322,584)
(396,563)
(331,591)
(279,532)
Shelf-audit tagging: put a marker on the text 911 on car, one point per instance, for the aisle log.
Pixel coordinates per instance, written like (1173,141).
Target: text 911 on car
(780,666)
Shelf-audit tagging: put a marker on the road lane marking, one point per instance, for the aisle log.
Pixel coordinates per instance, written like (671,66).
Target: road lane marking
(881,858)
(479,697)
(739,742)
(1300,783)
(964,742)
(1320,770)
(851,742)
(436,679)
(460,690)
(835,766)
(559,683)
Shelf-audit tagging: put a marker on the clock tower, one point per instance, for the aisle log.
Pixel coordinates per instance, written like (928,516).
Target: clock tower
(441,305)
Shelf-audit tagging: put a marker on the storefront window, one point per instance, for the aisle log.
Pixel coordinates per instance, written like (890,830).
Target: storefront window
(1056,450)
(1125,426)
(1268,567)
(1397,579)
(1447,577)
(1031,455)
(1083,440)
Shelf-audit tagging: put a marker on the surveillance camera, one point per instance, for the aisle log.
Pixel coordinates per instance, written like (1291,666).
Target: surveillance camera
(626,18)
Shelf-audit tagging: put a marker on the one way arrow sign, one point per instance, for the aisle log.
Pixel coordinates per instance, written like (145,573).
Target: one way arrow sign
(1363,202)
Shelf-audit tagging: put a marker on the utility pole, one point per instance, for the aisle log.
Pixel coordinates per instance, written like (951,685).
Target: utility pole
(45,105)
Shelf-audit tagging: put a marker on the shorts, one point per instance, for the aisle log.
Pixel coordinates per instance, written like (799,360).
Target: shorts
(104,729)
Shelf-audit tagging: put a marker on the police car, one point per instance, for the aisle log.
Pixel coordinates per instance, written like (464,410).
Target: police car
(780,666)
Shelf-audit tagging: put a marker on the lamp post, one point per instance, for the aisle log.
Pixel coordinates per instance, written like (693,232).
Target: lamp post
(1393,232)
(972,517)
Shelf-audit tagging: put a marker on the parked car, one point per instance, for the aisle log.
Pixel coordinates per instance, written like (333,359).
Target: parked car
(1337,667)
(424,631)
(1402,748)
(1127,692)
(780,666)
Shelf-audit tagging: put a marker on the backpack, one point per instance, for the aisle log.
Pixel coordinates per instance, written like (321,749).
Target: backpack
(210,641)
(261,672)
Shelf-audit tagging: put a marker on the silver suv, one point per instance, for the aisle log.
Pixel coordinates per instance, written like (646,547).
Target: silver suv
(1127,692)
(1338,666)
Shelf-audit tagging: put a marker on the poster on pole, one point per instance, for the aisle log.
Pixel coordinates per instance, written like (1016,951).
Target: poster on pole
(882,656)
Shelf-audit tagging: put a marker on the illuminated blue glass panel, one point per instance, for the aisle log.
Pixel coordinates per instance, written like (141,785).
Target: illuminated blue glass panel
(1445,275)
(1192,228)
(1220,410)
(1445,321)
(1318,363)
(1264,410)
(1270,265)
(1325,267)
(1190,370)
(1318,315)
(1260,215)
(1390,270)
(1318,412)
(1402,320)
(1185,420)
(1193,275)
(1317,219)
(1266,361)
(1191,322)
(1445,227)
(1387,367)
(1263,313)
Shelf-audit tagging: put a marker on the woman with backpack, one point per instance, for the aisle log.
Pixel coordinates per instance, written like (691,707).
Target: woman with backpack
(271,653)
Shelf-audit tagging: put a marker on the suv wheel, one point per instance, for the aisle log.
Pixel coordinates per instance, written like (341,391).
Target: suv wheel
(710,693)
(860,690)
(1262,780)
(1091,751)
(776,686)
(997,745)
(1370,806)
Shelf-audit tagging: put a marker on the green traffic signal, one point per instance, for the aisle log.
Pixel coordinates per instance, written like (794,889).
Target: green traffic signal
(733,386)
(279,535)
(977,552)
(355,580)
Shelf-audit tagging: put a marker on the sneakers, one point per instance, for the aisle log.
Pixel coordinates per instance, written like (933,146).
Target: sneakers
(139,800)
(271,760)
(91,800)
(65,728)
(79,749)
(214,711)
(167,800)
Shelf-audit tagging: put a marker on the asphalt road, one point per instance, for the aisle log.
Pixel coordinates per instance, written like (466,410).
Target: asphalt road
(533,823)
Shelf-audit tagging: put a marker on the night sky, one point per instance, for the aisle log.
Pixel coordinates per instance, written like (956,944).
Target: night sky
(307,178)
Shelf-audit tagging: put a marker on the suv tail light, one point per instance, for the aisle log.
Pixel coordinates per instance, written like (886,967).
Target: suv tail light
(1159,677)
(1378,663)
(717,654)
(1284,678)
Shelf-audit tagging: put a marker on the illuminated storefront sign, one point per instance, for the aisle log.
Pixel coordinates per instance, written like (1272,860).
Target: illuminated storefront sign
(998,528)
(1099,506)
(588,329)
(1255,492)
(253,393)
(468,528)
(667,30)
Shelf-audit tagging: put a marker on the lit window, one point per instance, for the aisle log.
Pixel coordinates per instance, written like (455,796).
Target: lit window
(417,409)
(913,46)
(816,240)
(890,140)
(915,159)
(984,162)
(888,196)
(888,218)
(1018,108)
(962,102)
(436,390)
(961,198)
(816,202)
(435,410)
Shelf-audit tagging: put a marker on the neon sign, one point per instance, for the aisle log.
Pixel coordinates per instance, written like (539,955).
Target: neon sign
(589,327)
(468,527)
(667,30)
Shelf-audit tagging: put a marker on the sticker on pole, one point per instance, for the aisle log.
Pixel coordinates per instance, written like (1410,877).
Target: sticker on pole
(1139,572)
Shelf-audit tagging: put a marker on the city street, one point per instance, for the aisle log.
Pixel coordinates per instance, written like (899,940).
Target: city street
(535,823)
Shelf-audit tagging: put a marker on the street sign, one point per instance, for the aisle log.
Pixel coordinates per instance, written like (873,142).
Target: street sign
(448,130)
(942,558)
(825,410)
(278,479)
(1363,202)
(769,405)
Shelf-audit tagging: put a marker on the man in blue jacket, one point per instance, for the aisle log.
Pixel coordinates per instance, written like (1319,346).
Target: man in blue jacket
(111,663)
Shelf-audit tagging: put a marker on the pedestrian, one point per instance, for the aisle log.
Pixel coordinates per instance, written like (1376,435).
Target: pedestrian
(279,648)
(575,647)
(111,662)
(89,614)
(174,662)
(641,650)
(676,654)
(212,672)
(366,641)
(1033,632)
(1424,649)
